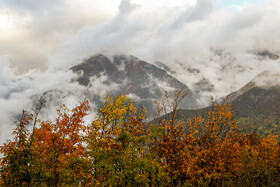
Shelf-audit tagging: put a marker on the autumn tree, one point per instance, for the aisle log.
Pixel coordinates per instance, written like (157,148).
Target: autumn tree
(118,141)
(50,154)
(61,145)
(15,169)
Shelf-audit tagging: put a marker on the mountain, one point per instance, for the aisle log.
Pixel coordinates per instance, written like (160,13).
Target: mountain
(262,91)
(256,105)
(139,80)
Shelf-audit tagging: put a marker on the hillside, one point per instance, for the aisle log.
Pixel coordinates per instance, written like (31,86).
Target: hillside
(256,106)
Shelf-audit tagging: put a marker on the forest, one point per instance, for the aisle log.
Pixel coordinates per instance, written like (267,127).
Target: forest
(120,147)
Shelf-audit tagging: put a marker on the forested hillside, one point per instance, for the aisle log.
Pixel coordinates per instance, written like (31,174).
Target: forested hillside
(255,108)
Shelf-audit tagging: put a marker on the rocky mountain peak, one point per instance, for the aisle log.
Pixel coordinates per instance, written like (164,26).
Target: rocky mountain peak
(133,76)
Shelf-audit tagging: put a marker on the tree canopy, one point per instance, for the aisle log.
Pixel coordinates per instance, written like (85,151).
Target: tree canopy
(120,148)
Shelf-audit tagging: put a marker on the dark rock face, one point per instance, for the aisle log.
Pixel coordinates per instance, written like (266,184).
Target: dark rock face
(268,54)
(134,77)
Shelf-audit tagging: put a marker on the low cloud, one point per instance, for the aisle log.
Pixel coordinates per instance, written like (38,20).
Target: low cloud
(199,42)
(23,92)
(220,42)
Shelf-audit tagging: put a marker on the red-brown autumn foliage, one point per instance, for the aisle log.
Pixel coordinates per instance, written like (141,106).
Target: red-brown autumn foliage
(120,148)
(211,151)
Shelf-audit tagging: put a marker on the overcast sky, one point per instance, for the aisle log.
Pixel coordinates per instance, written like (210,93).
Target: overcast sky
(41,39)
(32,31)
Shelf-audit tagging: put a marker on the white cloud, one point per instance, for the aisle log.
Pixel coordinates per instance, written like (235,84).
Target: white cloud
(197,40)
(18,92)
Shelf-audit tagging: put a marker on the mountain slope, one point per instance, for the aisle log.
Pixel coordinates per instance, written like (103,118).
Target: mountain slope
(138,79)
(256,105)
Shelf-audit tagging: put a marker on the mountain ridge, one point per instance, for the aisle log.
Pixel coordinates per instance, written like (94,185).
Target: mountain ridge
(135,77)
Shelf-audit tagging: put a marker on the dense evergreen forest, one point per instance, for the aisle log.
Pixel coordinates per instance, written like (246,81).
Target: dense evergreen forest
(121,148)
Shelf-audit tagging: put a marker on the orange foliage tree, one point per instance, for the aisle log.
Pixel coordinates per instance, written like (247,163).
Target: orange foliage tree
(61,144)
(49,154)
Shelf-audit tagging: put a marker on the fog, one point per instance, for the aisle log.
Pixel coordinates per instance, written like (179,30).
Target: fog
(212,48)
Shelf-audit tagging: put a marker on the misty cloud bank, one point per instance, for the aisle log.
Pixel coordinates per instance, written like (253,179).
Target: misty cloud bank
(18,92)
(204,44)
